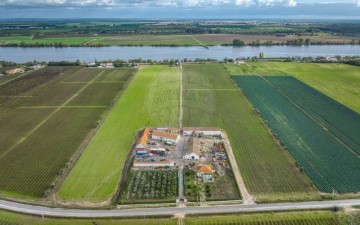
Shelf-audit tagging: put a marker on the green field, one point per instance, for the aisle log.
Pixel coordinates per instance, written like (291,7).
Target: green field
(176,40)
(268,171)
(340,82)
(94,178)
(321,134)
(149,187)
(47,41)
(279,218)
(9,218)
(42,128)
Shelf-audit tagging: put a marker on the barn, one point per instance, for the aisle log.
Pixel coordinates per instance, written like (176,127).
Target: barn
(165,136)
(141,144)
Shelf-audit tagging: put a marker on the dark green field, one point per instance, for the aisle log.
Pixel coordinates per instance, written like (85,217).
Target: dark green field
(321,134)
(46,116)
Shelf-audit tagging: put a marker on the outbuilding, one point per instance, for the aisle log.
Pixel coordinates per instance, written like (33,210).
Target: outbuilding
(165,136)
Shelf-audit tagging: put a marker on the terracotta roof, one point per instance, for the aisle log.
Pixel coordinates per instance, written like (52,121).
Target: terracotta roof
(144,137)
(204,169)
(164,134)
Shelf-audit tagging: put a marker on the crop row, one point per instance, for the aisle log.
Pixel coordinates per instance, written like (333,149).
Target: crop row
(338,119)
(39,138)
(324,158)
(265,167)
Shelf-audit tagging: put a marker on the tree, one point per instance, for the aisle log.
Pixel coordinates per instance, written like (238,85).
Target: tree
(261,55)
(238,42)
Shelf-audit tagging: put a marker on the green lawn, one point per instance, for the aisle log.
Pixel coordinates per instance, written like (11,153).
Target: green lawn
(94,178)
(340,82)
(268,171)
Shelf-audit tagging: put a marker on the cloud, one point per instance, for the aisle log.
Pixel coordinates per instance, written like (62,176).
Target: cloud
(357,3)
(290,3)
(160,3)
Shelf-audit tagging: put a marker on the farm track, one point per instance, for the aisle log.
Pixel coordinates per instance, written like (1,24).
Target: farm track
(248,199)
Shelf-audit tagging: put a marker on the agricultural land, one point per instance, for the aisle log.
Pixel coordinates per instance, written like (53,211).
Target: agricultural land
(268,171)
(45,117)
(338,81)
(295,218)
(95,176)
(319,133)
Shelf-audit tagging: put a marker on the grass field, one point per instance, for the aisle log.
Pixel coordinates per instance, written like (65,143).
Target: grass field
(149,40)
(319,133)
(268,171)
(149,187)
(338,81)
(43,129)
(94,178)
(47,41)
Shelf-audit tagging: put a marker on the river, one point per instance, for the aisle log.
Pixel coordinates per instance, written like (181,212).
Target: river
(46,54)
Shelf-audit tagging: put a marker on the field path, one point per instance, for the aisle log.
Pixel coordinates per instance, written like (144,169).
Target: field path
(181,97)
(247,197)
(48,117)
(198,41)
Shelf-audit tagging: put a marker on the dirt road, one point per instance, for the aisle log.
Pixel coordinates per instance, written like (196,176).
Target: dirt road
(247,197)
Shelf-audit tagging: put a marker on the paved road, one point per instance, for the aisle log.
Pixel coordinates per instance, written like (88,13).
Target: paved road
(78,213)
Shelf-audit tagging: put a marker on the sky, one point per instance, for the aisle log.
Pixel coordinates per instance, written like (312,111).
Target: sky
(217,9)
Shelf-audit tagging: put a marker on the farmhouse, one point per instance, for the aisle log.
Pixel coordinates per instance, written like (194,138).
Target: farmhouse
(16,70)
(106,65)
(165,136)
(205,172)
(141,144)
(192,151)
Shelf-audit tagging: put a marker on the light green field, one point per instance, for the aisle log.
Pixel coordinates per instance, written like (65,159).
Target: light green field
(94,178)
(341,82)
(149,40)
(268,171)
(47,41)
